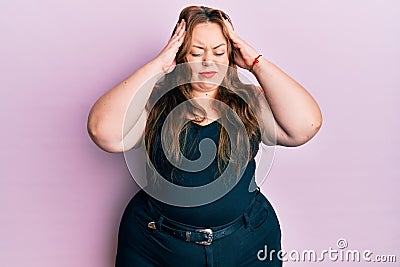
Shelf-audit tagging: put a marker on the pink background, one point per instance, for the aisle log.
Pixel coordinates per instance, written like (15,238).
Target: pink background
(61,197)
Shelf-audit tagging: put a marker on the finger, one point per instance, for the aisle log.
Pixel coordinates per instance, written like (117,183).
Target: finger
(176,43)
(233,36)
(178,40)
(182,28)
(181,25)
(236,45)
(228,25)
(182,37)
(176,29)
(179,30)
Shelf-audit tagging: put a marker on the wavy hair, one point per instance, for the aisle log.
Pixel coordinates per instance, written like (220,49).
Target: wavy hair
(232,92)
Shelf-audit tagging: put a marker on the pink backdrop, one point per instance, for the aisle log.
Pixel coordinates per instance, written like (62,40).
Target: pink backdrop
(61,197)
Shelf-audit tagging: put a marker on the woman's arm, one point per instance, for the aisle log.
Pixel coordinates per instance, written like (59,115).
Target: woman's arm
(107,116)
(298,117)
(296,114)
(115,124)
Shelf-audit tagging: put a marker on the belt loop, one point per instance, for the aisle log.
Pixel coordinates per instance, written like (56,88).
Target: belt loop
(246,219)
(159,222)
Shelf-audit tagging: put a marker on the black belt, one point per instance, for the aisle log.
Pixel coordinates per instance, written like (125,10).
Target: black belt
(199,236)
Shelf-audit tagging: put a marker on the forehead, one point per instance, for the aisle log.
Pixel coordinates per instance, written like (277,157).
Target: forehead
(208,34)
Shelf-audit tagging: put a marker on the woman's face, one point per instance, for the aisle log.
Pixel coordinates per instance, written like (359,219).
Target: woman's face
(208,58)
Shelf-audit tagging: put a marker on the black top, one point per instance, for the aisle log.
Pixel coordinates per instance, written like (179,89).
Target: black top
(224,209)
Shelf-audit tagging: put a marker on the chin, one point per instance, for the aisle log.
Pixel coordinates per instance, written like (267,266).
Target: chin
(204,87)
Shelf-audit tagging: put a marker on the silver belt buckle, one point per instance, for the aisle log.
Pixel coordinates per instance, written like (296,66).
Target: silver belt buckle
(209,234)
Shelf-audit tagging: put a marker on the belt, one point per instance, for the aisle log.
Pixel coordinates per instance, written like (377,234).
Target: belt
(199,236)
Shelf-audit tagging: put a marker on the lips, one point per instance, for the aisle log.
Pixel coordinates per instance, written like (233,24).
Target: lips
(207,74)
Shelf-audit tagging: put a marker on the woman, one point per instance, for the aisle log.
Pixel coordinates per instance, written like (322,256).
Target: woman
(201,97)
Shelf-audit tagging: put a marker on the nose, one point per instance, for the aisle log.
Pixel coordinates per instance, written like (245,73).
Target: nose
(207,58)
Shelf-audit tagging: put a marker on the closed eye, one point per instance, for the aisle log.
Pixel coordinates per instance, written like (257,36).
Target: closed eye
(195,55)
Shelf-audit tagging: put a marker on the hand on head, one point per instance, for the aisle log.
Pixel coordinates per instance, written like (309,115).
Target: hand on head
(168,54)
(244,54)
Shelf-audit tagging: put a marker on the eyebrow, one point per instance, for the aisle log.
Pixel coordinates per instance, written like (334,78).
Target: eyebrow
(215,47)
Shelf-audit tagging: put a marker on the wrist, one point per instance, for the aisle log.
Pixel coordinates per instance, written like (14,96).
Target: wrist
(258,66)
(256,60)
(157,67)
(156,64)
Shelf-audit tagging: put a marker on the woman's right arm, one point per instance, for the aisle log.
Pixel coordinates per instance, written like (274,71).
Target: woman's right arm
(115,124)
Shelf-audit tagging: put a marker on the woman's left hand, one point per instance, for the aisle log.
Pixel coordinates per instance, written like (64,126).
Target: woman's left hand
(244,54)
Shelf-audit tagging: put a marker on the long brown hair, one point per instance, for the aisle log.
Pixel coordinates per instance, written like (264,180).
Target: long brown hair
(232,92)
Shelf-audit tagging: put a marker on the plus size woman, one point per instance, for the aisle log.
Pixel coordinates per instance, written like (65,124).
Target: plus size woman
(181,107)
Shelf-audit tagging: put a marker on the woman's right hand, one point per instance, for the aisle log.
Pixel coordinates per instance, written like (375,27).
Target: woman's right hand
(166,58)
(110,126)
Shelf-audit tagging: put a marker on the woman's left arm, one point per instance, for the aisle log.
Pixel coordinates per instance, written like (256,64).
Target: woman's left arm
(297,115)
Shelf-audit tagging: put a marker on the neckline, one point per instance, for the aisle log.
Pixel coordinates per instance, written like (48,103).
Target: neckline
(205,125)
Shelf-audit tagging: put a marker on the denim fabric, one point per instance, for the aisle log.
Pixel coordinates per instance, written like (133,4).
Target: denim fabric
(141,246)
